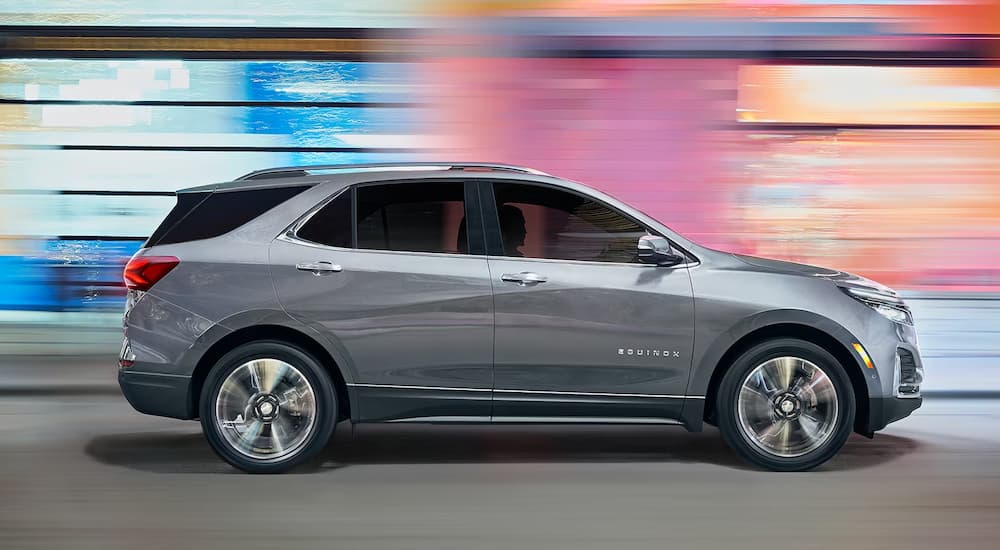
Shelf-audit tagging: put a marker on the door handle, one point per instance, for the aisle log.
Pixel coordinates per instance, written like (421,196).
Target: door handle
(524,278)
(320,268)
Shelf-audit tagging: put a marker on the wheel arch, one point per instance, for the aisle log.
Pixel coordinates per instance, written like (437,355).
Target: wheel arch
(810,327)
(279,332)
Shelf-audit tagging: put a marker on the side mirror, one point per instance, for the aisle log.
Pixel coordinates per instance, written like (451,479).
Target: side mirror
(656,250)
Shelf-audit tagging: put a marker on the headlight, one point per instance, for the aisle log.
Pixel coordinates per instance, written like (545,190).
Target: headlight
(894,314)
(885,302)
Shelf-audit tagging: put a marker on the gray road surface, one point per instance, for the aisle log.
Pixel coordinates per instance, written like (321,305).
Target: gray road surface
(85,471)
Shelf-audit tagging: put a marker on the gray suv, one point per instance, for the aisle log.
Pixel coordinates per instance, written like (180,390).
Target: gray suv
(274,306)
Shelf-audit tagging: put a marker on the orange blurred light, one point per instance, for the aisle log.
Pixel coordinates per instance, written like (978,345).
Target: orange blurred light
(821,94)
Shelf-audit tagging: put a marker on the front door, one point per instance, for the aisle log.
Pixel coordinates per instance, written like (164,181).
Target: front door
(404,294)
(583,330)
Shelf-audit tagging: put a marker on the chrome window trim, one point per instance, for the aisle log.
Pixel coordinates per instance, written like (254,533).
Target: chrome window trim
(290,234)
(290,237)
(300,241)
(530,392)
(587,263)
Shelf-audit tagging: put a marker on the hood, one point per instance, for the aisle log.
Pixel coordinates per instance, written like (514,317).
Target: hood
(790,268)
(841,278)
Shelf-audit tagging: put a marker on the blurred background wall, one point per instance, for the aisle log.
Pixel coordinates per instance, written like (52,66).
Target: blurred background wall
(858,135)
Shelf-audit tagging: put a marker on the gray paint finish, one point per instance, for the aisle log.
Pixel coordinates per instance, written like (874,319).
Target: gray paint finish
(402,318)
(430,336)
(591,327)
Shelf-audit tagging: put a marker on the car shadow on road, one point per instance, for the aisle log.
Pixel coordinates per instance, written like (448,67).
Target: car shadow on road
(172,452)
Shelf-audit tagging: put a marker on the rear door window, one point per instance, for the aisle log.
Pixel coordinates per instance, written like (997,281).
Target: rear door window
(413,217)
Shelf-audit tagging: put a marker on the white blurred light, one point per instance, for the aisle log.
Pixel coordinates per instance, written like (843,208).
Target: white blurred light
(94,116)
(414,141)
(180,78)
(91,88)
(192,22)
(320,89)
(31,91)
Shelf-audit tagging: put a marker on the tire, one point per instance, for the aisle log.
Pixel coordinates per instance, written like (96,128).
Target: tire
(267,407)
(786,427)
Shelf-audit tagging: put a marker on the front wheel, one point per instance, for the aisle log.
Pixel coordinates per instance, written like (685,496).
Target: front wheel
(267,407)
(786,405)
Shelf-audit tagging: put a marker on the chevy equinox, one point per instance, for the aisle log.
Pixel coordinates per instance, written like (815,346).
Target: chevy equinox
(274,306)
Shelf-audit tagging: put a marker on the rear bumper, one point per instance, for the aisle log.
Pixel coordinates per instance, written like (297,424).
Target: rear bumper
(157,394)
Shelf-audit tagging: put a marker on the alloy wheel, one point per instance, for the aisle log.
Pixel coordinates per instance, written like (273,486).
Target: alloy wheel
(266,409)
(787,407)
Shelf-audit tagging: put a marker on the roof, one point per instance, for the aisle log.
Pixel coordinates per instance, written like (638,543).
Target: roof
(291,175)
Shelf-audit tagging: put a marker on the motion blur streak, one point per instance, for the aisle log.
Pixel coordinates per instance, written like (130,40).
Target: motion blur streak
(86,472)
(860,135)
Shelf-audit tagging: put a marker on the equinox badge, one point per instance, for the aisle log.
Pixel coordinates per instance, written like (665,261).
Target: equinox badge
(648,352)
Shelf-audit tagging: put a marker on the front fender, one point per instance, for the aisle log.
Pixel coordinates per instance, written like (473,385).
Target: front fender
(769,323)
(708,359)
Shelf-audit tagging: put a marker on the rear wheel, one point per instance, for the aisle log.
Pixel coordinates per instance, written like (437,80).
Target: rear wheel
(267,407)
(786,405)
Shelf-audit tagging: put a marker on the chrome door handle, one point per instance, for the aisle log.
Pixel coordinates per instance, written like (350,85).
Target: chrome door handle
(524,278)
(319,268)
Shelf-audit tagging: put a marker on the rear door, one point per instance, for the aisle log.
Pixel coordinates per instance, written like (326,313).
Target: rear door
(584,331)
(395,275)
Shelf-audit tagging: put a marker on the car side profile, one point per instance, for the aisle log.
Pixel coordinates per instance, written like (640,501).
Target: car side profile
(275,306)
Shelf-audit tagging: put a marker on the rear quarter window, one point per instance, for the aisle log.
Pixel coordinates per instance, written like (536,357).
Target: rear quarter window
(331,225)
(199,216)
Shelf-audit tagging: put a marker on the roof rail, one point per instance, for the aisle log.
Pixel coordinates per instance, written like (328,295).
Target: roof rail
(299,171)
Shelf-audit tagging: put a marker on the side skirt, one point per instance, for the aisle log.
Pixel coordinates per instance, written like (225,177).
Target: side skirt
(531,420)
(405,404)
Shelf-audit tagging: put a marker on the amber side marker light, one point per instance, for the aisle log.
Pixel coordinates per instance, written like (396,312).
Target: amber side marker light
(863,354)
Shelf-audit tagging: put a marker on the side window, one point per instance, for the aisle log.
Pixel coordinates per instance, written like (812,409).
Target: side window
(542,222)
(413,217)
(332,224)
(199,216)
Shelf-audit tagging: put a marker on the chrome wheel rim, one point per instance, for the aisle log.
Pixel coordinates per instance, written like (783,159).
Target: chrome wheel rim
(787,407)
(266,409)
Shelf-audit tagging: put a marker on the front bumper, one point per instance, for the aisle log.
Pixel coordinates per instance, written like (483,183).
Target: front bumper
(900,395)
(157,394)
(886,410)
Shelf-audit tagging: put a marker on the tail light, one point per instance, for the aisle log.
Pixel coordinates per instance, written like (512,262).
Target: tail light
(142,272)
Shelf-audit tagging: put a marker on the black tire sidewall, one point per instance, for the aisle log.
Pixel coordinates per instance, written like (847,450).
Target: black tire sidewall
(729,390)
(325,395)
